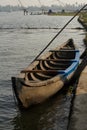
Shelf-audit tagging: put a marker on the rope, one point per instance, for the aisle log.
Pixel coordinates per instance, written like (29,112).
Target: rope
(59,32)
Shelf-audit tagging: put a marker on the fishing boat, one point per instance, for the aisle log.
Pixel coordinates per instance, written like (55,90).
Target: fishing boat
(46,75)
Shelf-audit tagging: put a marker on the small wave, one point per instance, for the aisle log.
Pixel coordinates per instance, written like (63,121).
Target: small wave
(10,28)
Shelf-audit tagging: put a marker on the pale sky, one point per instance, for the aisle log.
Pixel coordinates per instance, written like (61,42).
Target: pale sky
(43,2)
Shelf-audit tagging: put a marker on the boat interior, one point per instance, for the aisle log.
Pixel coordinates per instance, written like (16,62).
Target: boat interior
(56,63)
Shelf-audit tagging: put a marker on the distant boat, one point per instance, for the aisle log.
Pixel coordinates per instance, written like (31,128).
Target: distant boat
(46,75)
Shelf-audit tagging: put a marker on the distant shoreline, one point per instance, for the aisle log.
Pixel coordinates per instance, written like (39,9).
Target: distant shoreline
(54,8)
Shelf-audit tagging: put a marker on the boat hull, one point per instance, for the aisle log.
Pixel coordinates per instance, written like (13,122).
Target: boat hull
(28,96)
(29,86)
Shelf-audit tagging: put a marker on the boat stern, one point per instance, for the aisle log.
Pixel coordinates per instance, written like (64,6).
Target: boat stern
(17,86)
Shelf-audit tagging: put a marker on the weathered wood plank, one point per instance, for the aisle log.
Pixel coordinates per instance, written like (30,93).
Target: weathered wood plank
(64,50)
(41,71)
(59,60)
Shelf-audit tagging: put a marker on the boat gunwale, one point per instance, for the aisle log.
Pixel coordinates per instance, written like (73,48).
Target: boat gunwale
(60,74)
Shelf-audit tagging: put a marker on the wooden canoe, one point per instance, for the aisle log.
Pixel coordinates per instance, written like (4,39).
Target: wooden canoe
(46,75)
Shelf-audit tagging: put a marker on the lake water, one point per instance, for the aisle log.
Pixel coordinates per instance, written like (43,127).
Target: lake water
(18,47)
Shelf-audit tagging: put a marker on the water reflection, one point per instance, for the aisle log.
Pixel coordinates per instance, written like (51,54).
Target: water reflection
(50,115)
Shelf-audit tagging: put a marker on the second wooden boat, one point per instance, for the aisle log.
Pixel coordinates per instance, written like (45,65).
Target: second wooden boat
(46,75)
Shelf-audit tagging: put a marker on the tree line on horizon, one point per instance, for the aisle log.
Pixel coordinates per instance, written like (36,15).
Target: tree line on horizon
(54,8)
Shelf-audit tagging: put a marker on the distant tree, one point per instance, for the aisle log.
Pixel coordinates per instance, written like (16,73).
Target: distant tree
(50,11)
(63,11)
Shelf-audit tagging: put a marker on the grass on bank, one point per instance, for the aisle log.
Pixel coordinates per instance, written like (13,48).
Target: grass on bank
(84,18)
(62,14)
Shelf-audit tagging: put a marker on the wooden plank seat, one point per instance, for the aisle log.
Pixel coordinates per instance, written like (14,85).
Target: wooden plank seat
(69,50)
(42,71)
(59,60)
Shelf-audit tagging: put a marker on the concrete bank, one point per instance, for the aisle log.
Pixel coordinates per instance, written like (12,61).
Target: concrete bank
(78,120)
(78,117)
